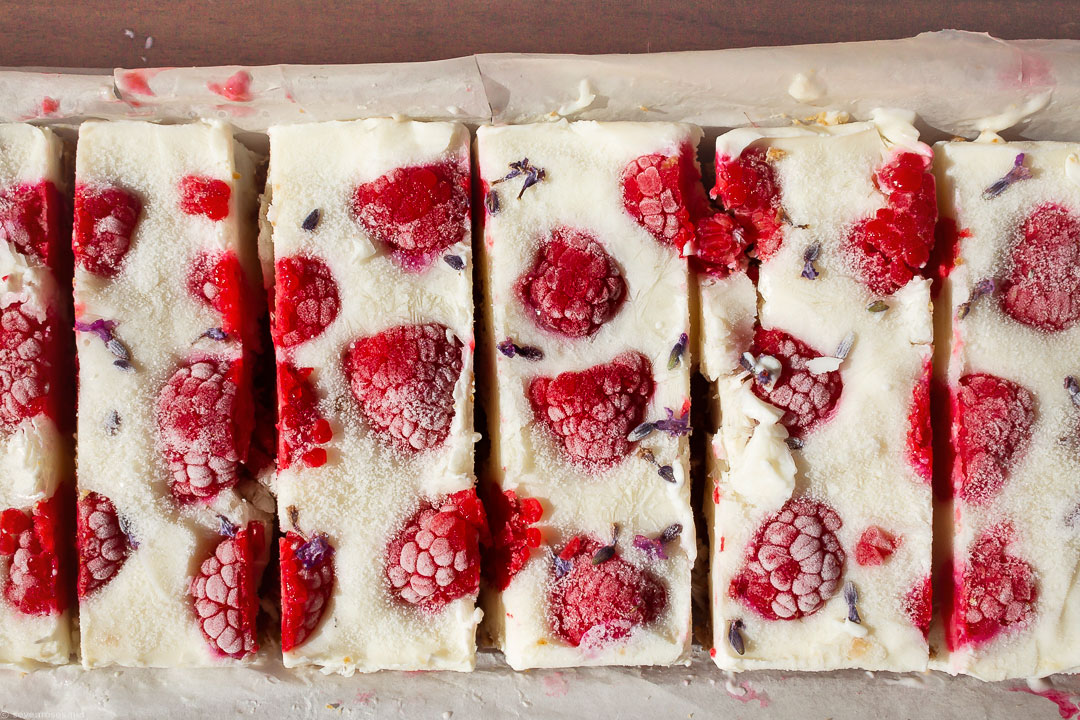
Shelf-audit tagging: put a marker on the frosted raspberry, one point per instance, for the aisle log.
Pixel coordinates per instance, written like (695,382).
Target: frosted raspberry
(307,581)
(205,196)
(749,190)
(36,582)
(993,431)
(995,591)
(29,220)
(875,546)
(306,300)
(223,592)
(435,558)
(573,286)
(794,563)
(203,426)
(301,426)
(1042,288)
(917,605)
(416,211)
(591,412)
(722,246)
(512,538)
(893,246)
(28,345)
(103,545)
(404,378)
(920,440)
(595,604)
(105,218)
(808,399)
(218,280)
(659,192)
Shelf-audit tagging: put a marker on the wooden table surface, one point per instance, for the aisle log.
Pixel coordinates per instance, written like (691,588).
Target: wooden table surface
(91,33)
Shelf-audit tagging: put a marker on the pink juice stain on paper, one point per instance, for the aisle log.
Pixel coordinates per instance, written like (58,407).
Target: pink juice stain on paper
(1064,701)
(236,88)
(555,685)
(364,697)
(748,694)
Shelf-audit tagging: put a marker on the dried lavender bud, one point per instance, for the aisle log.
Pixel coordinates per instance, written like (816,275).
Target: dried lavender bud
(226,527)
(674,426)
(746,360)
(491,201)
(653,548)
(314,552)
(641,431)
(602,555)
(794,443)
(1074,389)
(562,567)
(734,636)
(671,532)
(962,310)
(215,334)
(533,176)
(646,455)
(508,348)
(124,365)
(844,347)
(294,515)
(125,527)
(809,256)
(454,261)
(312,220)
(851,595)
(1016,173)
(983,287)
(677,351)
(877,306)
(102,328)
(112,423)
(117,348)
(667,472)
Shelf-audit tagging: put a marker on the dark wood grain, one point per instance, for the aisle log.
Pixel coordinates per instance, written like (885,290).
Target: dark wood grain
(90,33)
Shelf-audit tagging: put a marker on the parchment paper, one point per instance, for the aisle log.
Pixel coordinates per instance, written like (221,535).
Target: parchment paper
(958,83)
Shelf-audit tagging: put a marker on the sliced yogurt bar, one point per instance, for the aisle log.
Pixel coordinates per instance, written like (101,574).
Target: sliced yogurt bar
(172,530)
(819,496)
(1011,305)
(373,330)
(588,393)
(36,415)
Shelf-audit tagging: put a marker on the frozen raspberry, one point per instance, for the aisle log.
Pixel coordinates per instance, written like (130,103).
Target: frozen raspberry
(300,424)
(597,603)
(920,440)
(749,190)
(808,399)
(307,581)
(416,211)
(306,300)
(574,286)
(994,592)
(993,431)
(105,218)
(103,545)
(224,592)
(794,563)
(875,546)
(29,219)
(659,192)
(917,605)
(435,558)
(512,538)
(722,246)
(404,378)
(27,373)
(944,254)
(893,246)
(205,196)
(1042,288)
(204,426)
(591,412)
(34,539)
(218,280)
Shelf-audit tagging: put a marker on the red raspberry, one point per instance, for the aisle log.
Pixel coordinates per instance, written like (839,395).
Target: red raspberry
(574,286)
(307,581)
(34,539)
(794,562)
(301,426)
(29,220)
(597,604)
(205,196)
(435,558)
(105,219)
(722,246)
(204,426)
(306,300)
(917,605)
(875,546)
(512,539)
(892,247)
(946,251)
(224,592)
(994,592)
(591,412)
(404,378)
(28,346)
(993,431)
(416,211)
(749,190)
(920,440)
(218,280)
(1042,288)
(103,545)
(659,192)
(808,399)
